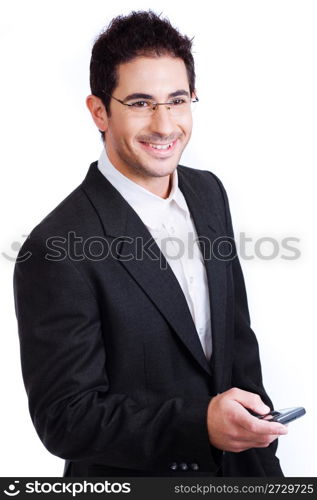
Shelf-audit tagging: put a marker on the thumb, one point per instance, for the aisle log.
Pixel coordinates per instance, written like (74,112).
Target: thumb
(251,401)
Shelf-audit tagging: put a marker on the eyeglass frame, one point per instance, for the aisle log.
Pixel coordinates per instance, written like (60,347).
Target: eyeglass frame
(155,104)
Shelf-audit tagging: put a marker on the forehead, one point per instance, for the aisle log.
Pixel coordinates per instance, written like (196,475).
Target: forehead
(152,75)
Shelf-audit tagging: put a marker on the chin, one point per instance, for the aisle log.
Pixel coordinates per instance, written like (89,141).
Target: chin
(162,170)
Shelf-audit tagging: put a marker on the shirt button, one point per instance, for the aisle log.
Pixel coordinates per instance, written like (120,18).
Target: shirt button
(191,279)
(173,466)
(172,229)
(183,466)
(194,466)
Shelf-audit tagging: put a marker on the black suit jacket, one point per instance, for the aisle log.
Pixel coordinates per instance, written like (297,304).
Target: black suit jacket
(117,381)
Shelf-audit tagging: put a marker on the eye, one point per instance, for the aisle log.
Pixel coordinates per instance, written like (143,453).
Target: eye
(178,101)
(140,104)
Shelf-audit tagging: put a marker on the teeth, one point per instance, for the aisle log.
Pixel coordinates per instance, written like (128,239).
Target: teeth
(161,146)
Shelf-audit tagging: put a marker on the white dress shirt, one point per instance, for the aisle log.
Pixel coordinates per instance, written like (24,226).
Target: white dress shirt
(172,227)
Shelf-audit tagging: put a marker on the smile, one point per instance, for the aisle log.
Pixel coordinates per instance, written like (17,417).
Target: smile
(159,148)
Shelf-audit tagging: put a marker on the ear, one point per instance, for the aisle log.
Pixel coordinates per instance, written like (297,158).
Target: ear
(98,112)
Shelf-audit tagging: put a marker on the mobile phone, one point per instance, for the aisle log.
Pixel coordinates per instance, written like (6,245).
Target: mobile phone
(284,416)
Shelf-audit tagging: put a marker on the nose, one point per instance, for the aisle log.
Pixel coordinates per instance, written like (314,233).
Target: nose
(161,121)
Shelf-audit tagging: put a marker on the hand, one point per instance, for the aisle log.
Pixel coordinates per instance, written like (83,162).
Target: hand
(232,428)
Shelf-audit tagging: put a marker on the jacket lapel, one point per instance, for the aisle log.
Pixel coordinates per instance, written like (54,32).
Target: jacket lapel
(140,255)
(154,275)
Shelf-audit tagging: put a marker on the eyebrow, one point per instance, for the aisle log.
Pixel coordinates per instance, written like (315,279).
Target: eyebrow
(141,95)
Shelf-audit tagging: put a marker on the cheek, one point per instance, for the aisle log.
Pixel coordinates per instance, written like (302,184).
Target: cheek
(121,132)
(186,124)
(189,123)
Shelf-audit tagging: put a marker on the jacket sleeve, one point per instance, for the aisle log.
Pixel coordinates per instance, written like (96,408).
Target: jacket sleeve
(64,367)
(246,371)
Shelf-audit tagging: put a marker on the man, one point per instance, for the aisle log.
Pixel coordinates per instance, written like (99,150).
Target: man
(138,360)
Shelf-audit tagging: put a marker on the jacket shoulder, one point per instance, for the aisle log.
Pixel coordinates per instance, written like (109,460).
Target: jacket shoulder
(72,212)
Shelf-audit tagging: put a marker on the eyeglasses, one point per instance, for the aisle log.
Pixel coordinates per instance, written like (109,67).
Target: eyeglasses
(176,106)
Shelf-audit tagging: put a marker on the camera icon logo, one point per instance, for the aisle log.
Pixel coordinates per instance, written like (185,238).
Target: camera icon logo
(12,490)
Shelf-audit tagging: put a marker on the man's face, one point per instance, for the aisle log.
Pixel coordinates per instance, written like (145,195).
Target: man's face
(131,136)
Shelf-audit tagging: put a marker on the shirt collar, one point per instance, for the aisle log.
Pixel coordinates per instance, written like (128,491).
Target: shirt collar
(151,208)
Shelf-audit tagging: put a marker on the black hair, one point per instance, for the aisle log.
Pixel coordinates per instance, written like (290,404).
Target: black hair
(141,33)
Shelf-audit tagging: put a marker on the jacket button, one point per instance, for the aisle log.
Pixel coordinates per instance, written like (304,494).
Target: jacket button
(173,466)
(183,466)
(194,466)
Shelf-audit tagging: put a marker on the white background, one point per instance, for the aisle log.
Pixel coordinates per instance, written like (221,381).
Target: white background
(255,128)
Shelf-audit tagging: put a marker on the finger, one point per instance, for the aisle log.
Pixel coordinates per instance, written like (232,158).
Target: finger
(241,445)
(266,442)
(241,435)
(256,426)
